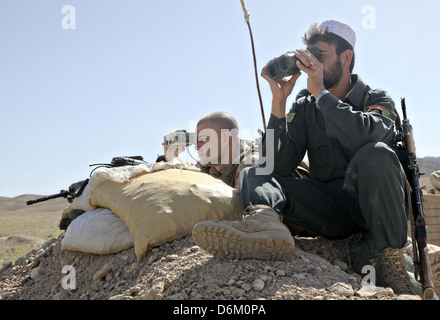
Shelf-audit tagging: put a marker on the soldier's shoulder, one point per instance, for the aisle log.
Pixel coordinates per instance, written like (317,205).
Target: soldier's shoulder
(303,98)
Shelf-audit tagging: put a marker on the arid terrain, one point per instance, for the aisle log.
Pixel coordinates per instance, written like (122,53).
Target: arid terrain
(33,267)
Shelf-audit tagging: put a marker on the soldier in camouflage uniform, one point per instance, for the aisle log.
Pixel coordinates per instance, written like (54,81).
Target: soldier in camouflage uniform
(222,153)
(357,183)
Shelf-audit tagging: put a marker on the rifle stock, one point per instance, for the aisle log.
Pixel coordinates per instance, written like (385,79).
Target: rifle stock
(422,265)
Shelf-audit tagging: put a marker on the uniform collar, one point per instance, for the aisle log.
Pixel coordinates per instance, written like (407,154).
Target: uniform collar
(356,94)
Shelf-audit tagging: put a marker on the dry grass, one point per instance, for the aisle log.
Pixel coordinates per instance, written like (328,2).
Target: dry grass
(24,228)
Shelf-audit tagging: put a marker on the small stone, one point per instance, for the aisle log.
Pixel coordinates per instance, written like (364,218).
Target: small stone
(299,276)
(172,257)
(281,272)
(152,258)
(258,285)
(33,264)
(246,286)
(341,264)
(154,292)
(342,289)
(263,277)
(35,273)
(135,290)
(102,272)
(367,291)
(239,292)
(60,295)
(305,259)
(118,297)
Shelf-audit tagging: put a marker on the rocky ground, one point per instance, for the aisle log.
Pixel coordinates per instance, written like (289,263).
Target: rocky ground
(179,270)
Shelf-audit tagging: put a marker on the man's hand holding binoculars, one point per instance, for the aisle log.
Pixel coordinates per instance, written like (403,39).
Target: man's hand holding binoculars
(282,87)
(313,68)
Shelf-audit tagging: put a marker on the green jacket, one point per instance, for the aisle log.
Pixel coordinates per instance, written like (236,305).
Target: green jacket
(332,131)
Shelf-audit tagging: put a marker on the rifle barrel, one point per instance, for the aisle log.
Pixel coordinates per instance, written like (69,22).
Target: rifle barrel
(58,195)
(403,104)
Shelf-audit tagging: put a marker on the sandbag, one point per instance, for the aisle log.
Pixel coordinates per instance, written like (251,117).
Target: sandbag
(82,202)
(165,205)
(435,179)
(98,231)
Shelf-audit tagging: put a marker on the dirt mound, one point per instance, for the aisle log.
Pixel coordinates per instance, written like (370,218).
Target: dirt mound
(179,270)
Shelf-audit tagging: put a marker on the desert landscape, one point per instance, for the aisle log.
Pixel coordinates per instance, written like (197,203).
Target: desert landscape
(31,261)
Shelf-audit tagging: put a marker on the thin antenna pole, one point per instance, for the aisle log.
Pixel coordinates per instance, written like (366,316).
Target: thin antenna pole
(246,18)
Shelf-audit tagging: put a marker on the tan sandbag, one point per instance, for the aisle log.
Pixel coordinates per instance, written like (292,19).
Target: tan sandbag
(165,205)
(435,179)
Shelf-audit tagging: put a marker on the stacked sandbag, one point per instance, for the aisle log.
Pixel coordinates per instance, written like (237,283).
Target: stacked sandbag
(97,231)
(435,179)
(165,205)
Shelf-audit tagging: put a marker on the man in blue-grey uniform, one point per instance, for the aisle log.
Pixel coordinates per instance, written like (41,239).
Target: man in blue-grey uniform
(357,184)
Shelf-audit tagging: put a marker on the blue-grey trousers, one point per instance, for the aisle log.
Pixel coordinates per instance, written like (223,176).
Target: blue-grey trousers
(370,199)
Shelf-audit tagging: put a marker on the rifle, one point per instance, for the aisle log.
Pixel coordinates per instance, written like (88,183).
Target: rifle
(74,191)
(422,265)
(119,162)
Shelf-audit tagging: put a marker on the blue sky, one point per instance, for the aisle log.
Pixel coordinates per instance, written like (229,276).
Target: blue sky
(133,70)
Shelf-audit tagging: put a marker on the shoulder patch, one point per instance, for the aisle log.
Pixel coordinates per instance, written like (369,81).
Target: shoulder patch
(290,117)
(377,109)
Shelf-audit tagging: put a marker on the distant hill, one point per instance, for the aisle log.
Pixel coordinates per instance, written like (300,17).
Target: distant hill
(18,204)
(435,159)
(428,165)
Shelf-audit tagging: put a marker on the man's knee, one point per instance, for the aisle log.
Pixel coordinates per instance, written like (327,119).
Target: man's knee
(374,164)
(377,157)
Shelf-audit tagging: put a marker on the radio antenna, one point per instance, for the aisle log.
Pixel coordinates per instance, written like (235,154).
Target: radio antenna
(246,18)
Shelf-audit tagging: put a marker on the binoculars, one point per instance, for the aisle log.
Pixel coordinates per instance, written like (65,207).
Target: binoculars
(180,138)
(285,65)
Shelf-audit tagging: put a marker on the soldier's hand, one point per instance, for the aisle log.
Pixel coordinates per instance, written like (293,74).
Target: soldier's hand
(281,89)
(313,68)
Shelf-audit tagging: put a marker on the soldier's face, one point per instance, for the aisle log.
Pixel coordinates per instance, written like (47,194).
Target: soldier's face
(333,70)
(333,75)
(207,144)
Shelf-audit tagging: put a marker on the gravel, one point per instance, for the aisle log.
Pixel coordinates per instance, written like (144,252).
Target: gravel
(179,270)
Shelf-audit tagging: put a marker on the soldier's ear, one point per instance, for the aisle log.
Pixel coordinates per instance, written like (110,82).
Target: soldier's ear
(225,136)
(346,57)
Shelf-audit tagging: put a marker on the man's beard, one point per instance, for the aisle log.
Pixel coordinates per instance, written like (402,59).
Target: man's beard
(334,75)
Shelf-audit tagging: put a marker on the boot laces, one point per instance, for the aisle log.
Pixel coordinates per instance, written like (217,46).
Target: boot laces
(394,262)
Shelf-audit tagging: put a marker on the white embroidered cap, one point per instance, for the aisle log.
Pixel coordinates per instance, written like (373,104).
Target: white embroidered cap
(340,29)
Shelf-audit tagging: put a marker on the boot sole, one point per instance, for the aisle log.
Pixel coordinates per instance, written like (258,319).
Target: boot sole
(225,242)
